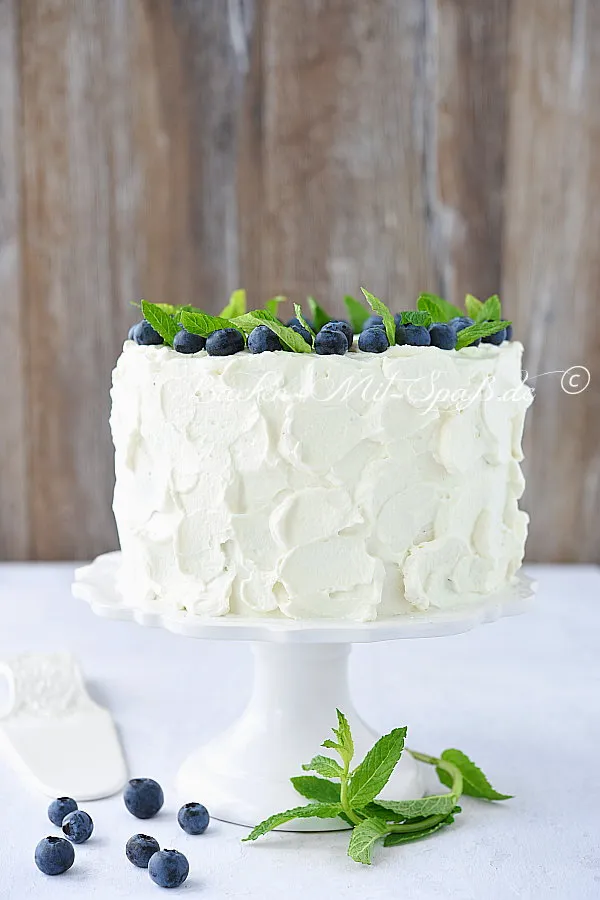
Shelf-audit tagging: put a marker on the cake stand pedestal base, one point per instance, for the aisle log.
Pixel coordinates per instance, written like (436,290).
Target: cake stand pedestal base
(243,775)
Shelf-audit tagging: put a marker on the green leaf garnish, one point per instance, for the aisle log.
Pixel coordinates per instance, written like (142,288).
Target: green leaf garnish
(314,788)
(490,310)
(324,765)
(290,338)
(438,308)
(204,324)
(475,782)
(272,305)
(418,317)
(162,321)
(393,839)
(319,316)
(236,305)
(371,776)
(312,811)
(303,322)
(344,736)
(363,838)
(357,314)
(381,309)
(474,332)
(425,806)
(472,306)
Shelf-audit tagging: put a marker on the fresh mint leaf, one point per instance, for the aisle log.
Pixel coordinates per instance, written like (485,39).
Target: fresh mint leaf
(475,782)
(371,776)
(418,317)
(357,314)
(162,321)
(202,323)
(312,811)
(438,308)
(381,309)
(331,745)
(319,316)
(236,305)
(425,806)
(363,838)
(344,736)
(314,788)
(473,332)
(292,340)
(303,322)
(396,838)
(490,310)
(324,765)
(472,306)
(272,305)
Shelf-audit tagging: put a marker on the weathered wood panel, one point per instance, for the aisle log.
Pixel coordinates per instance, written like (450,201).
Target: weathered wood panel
(176,149)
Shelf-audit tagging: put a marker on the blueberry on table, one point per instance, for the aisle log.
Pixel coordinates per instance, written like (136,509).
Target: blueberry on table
(224,342)
(143,797)
(168,868)
(186,342)
(343,326)
(372,320)
(373,340)
(331,342)
(54,855)
(78,826)
(262,339)
(498,338)
(193,818)
(413,335)
(144,333)
(460,322)
(442,336)
(139,848)
(60,808)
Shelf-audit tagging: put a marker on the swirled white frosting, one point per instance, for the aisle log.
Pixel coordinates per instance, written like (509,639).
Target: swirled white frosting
(318,486)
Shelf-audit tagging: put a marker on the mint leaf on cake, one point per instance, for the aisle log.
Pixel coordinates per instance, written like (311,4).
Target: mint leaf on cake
(438,308)
(236,305)
(161,320)
(381,309)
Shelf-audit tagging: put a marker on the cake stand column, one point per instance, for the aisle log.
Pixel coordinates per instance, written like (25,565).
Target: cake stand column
(243,775)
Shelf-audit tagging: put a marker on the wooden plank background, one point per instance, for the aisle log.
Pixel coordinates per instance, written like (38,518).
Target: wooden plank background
(177,149)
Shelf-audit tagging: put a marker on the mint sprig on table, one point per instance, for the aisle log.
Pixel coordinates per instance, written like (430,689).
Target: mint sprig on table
(340,791)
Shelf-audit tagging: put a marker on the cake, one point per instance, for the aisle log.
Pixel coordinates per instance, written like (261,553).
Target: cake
(351,486)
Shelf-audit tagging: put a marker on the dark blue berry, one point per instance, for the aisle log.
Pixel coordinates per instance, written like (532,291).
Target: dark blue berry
(509,332)
(224,342)
(373,340)
(414,335)
(131,333)
(168,868)
(193,818)
(144,333)
(140,848)
(60,808)
(262,338)
(54,855)
(294,322)
(331,342)
(344,327)
(186,342)
(498,338)
(442,336)
(372,320)
(460,322)
(143,797)
(303,333)
(78,826)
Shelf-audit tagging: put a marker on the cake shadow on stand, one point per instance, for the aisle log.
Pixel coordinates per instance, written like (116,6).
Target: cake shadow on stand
(300,677)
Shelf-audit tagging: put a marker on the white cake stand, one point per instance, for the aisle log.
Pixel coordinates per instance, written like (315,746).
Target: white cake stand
(300,677)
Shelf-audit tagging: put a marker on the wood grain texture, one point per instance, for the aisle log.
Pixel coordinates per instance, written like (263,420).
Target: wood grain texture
(177,149)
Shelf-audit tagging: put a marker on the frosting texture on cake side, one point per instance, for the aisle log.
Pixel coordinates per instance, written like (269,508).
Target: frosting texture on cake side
(315,486)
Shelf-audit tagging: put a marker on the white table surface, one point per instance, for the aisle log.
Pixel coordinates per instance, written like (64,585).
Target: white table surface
(521,697)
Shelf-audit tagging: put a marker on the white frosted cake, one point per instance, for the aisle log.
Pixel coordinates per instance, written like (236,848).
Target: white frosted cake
(348,486)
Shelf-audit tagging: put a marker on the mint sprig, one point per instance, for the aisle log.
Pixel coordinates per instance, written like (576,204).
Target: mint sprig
(304,323)
(472,306)
(319,316)
(475,332)
(417,317)
(290,338)
(236,305)
(381,309)
(438,308)
(272,305)
(202,323)
(357,313)
(490,310)
(352,794)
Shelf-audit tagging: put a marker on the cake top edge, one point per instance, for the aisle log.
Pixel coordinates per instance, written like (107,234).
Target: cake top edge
(372,329)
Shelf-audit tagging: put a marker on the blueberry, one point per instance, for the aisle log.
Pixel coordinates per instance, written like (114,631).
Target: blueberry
(186,342)
(294,322)
(140,848)
(344,327)
(224,342)
(509,332)
(143,797)
(299,329)
(373,340)
(498,338)
(78,826)
(54,855)
(414,335)
(460,322)
(168,868)
(442,336)
(372,320)
(331,342)
(131,333)
(193,818)
(60,808)
(144,333)
(262,338)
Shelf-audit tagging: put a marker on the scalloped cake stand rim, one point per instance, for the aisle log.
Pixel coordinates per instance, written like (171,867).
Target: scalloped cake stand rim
(96,584)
